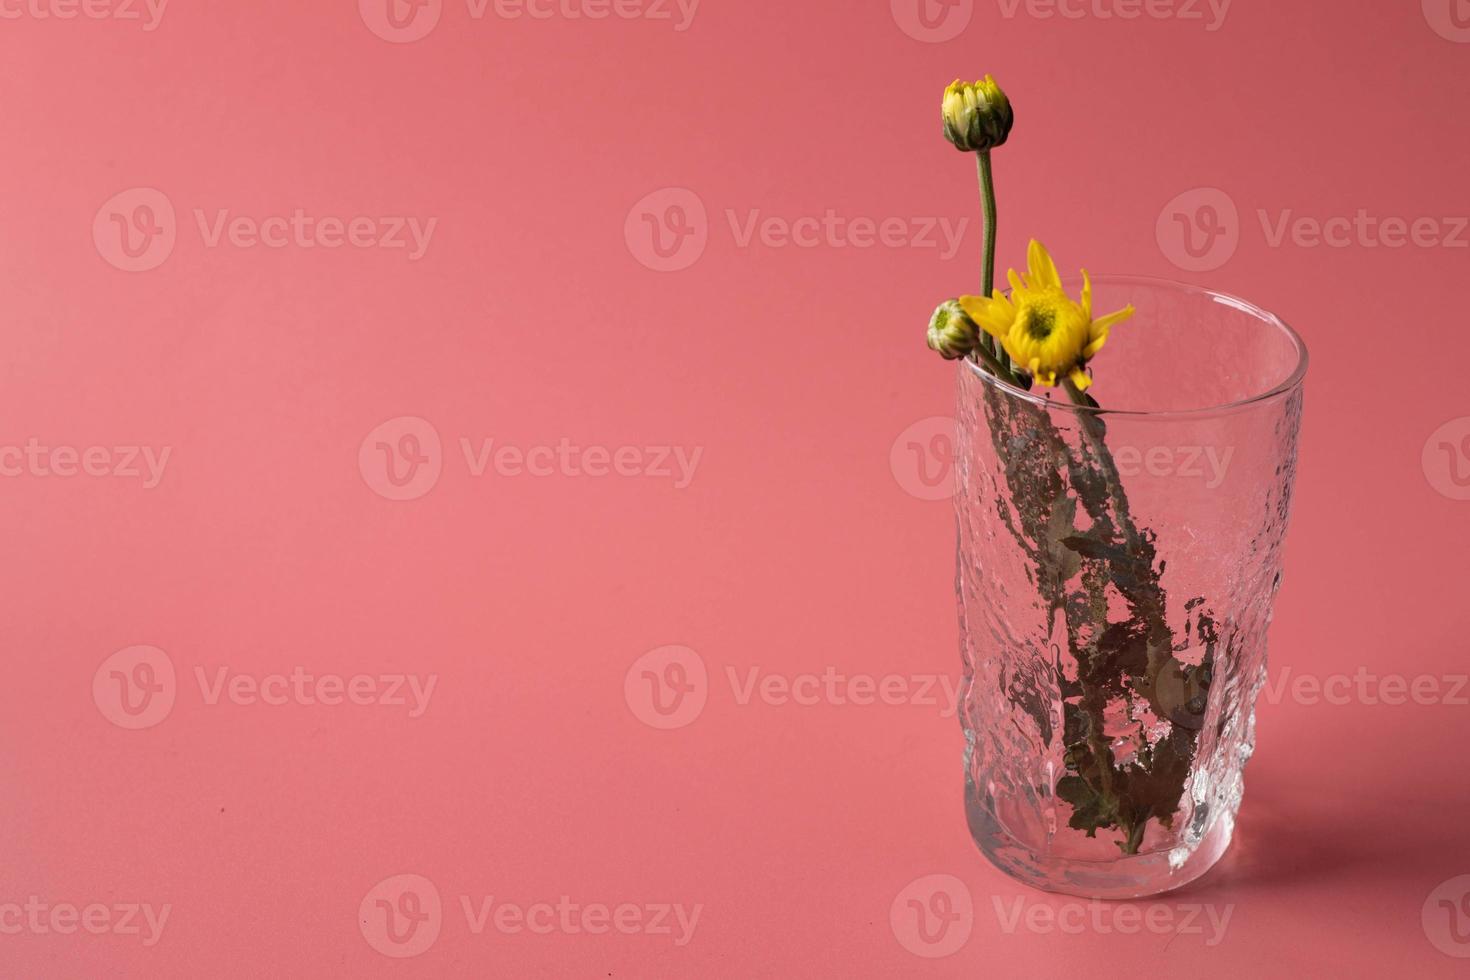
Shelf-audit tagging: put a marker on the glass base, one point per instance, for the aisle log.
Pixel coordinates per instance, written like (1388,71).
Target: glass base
(1122,877)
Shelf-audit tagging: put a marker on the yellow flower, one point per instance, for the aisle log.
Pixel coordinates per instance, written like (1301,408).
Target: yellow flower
(1041,328)
(977,115)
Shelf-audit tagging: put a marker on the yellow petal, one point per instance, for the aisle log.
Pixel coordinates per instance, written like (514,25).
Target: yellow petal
(1043,270)
(1018,285)
(1097,344)
(975,307)
(1086,295)
(1101,325)
(993,314)
(1080,379)
(1002,308)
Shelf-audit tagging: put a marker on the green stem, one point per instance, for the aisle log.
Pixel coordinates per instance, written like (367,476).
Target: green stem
(995,367)
(987,284)
(987,202)
(1092,429)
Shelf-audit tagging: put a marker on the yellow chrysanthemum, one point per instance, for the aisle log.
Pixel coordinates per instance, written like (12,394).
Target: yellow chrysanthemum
(1040,326)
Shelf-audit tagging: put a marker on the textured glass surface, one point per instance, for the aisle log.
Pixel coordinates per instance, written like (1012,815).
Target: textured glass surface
(1116,572)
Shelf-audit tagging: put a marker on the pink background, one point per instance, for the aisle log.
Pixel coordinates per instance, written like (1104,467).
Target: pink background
(536,315)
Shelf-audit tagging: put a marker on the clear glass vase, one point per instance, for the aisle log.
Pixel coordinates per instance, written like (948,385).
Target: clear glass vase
(1116,570)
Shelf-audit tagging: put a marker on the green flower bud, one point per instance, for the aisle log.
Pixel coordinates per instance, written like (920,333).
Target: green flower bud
(977,115)
(951,331)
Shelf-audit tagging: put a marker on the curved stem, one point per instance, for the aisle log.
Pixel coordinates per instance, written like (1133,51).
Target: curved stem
(994,366)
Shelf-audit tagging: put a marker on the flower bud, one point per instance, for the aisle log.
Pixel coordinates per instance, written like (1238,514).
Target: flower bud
(977,116)
(951,331)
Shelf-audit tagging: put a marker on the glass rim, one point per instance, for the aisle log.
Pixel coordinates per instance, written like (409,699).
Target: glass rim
(1289,385)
